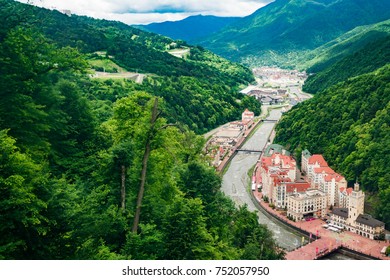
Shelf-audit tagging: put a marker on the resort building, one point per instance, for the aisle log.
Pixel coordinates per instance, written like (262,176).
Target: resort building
(322,177)
(369,227)
(324,189)
(311,203)
(285,189)
(305,160)
(276,169)
(352,217)
(331,184)
(316,164)
(247,119)
(343,200)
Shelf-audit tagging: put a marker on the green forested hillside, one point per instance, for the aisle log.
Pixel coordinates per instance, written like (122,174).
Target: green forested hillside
(144,52)
(345,45)
(103,169)
(371,57)
(349,124)
(285,30)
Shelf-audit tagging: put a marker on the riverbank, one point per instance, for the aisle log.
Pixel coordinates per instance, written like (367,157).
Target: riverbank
(265,112)
(235,182)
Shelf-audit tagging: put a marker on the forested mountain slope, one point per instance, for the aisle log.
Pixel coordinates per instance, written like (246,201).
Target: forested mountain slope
(286,29)
(343,46)
(349,124)
(212,81)
(371,57)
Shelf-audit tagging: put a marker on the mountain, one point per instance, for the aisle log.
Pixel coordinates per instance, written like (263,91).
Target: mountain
(190,29)
(344,45)
(374,55)
(285,29)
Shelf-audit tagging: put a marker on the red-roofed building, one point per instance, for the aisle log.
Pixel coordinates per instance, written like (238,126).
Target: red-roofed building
(247,118)
(322,177)
(318,159)
(285,189)
(319,174)
(331,184)
(343,197)
(276,170)
(315,161)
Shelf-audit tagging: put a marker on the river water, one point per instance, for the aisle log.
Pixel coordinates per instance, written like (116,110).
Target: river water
(236,179)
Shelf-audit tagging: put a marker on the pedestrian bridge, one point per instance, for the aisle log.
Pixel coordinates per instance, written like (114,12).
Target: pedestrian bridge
(249,151)
(270,120)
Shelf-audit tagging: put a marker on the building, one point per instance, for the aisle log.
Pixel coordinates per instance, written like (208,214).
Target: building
(224,141)
(311,203)
(369,227)
(305,160)
(314,162)
(285,189)
(331,185)
(339,217)
(355,205)
(275,169)
(247,119)
(352,217)
(343,200)
(322,177)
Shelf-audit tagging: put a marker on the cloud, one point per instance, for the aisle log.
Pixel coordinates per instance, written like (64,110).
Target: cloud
(146,11)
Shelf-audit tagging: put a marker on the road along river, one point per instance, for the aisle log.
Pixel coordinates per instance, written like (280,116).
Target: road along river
(235,182)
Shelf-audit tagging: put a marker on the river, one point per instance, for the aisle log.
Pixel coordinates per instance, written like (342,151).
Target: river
(235,183)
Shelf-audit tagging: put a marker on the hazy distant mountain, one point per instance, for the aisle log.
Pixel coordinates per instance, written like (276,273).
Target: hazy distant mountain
(191,28)
(284,29)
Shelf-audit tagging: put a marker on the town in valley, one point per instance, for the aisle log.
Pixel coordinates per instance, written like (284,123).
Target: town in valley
(314,198)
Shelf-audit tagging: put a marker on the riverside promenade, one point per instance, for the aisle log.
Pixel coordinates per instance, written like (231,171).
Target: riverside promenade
(264,114)
(327,241)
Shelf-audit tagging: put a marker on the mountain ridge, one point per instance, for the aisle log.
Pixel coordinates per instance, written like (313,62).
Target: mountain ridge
(191,28)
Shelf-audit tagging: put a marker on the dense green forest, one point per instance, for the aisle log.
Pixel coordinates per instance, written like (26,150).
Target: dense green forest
(345,45)
(104,169)
(371,57)
(349,124)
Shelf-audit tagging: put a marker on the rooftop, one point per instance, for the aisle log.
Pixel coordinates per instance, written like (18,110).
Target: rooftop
(306,153)
(229,133)
(342,212)
(326,170)
(309,194)
(275,148)
(369,221)
(318,159)
(300,187)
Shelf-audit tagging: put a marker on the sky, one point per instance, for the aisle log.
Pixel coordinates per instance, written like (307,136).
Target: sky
(147,11)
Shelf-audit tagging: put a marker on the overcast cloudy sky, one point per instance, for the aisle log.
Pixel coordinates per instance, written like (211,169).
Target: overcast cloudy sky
(146,11)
